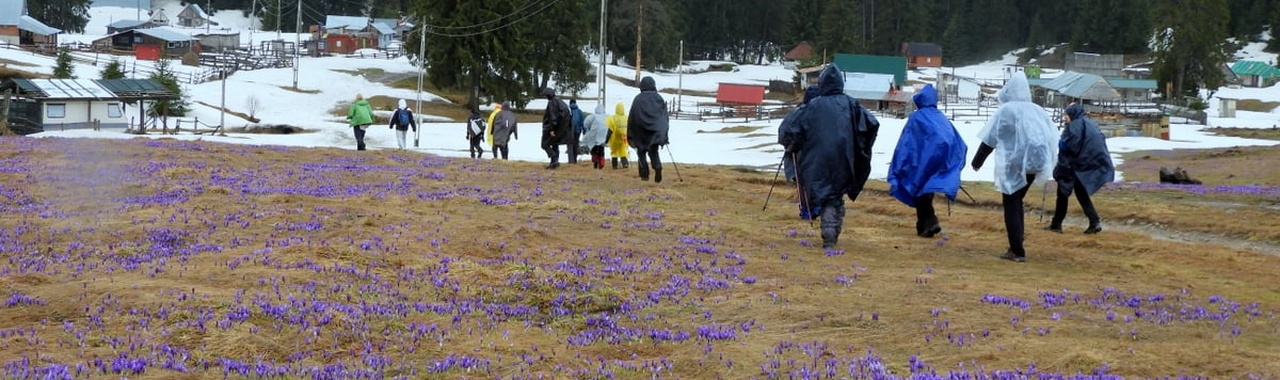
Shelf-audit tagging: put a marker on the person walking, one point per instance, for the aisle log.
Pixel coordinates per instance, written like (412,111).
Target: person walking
(1021,135)
(647,127)
(928,159)
(488,132)
(556,126)
(1084,166)
(401,121)
(832,142)
(788,122)
(360,116)
(575,138)
(475,134)
(504,129)
(617,137)
(595,131)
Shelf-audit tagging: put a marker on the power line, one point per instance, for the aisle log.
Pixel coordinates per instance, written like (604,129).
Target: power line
(526,5)
(503,26)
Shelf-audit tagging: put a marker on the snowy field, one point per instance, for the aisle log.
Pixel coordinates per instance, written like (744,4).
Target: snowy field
(690,142)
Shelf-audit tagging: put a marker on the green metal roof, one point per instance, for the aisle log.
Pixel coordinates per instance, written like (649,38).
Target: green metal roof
(1255,68)
(875,64)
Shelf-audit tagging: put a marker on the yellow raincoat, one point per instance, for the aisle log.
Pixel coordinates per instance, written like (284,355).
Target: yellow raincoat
(488,129)
(618,138)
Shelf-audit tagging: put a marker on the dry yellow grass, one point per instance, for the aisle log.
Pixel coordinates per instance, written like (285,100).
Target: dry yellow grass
(412,259)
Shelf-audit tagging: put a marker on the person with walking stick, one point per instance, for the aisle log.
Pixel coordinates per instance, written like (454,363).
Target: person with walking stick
(647,126)
(832,143)
(1084,166)
(1021,135)
(785,134)
(928,159)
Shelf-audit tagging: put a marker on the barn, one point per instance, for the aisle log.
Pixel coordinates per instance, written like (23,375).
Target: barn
(922,54)
(743,99)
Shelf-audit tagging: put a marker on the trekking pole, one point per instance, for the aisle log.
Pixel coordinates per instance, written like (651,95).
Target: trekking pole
(416,132)
(804,198)
(772,184)
(966,193)
(673,163)
(1043,196)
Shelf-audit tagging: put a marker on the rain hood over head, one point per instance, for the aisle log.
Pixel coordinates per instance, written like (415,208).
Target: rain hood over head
(930,153)
(1022,135)
(1083,151)
(647,123)
(832,140)
(596,130)
(402,104)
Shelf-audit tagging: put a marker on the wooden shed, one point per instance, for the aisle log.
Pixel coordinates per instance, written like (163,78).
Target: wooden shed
(151,44)
(744,99)
(922,54)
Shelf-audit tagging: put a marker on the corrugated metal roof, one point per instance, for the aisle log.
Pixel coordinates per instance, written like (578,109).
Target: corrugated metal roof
(740,93)
(76,89)
(166,34)
(927,49)
(134,87)
(32,25)
(1083,86)
(10,12)
(382,29)
(879,64)
(347,22)
(1255,68)
(1139,84)
(870,82)
(123,24)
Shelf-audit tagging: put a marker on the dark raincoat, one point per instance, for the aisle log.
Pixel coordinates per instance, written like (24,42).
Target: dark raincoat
(556,118)
(930,153)
(648,121)
(832,140)
(1083,154)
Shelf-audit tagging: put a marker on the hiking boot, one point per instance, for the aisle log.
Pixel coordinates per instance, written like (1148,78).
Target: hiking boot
(657,176)
(1092,229)
(615,163)
(1053,228)
(1009,255)
(553,165)
(830,236)
(624,163)
(931,231)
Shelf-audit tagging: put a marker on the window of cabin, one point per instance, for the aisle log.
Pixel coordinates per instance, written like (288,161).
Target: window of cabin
(56,110)
(113,111)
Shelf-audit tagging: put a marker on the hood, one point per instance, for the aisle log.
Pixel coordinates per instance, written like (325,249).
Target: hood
(548,92)
(1075,111)
(362,103)
(600,108)
(831,81)
(647,84)
(402,104)
(475,113)
(810,93)
(927,97)
(620,110)
(1015,90)
(505,105)
(573,105)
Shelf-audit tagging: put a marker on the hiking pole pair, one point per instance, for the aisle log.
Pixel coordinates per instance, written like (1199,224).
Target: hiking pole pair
(804,197)
(1044,195)
(774,183)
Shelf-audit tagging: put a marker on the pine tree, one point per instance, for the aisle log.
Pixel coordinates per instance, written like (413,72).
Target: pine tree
(958,40)
(63,68)
(802,22)
(1189,45)
(841,25)
(114,70)
(169,107)
(68,15)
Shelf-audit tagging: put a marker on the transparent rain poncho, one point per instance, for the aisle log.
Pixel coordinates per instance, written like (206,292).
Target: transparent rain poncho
(1023,135)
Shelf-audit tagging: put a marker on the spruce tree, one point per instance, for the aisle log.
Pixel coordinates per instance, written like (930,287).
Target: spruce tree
(70,16)
(841,26)
(63,68)
(162,109)
(114,70)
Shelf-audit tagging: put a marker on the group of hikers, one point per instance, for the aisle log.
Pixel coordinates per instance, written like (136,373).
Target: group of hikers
(828,143)
(645,129)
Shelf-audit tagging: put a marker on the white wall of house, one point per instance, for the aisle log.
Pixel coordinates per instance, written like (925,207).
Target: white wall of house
(79,113)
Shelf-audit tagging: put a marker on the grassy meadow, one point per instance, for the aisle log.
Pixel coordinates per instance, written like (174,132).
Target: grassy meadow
(167,259)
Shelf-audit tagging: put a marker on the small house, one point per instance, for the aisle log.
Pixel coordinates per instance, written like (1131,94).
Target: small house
(744,99)
(1255,73)
(194,17)
(810,74)
(213,41)
(345,24)
(18,28)
(801,52)
(127,25)
(873,64)
(49,104)
(151,44)
(158,18)
(382,35)
(1071,86)
(1134,90)
(922,54)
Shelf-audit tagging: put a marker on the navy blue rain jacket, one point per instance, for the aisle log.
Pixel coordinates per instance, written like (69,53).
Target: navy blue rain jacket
(1083,154)
(648,121)
(930,153)
(833,139)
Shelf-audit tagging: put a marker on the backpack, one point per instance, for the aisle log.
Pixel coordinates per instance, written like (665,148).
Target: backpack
(477,125)
(402,118)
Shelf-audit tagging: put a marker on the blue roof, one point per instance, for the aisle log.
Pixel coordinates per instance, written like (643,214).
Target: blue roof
(10,12)
(32,25)
(383,29)
(166,34)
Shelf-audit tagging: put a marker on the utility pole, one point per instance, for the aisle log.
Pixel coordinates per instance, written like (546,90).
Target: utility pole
(253,19)
(422,58)
(208,15)
(278,20)
(680,87)
(602,77)
(639,38)
(139,13)
(222,120)
(297,44)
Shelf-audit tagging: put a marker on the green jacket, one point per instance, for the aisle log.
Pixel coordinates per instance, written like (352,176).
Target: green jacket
(360,113)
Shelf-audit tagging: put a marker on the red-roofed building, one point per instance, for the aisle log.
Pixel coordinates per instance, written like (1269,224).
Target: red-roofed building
(801,52)
(744,98)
